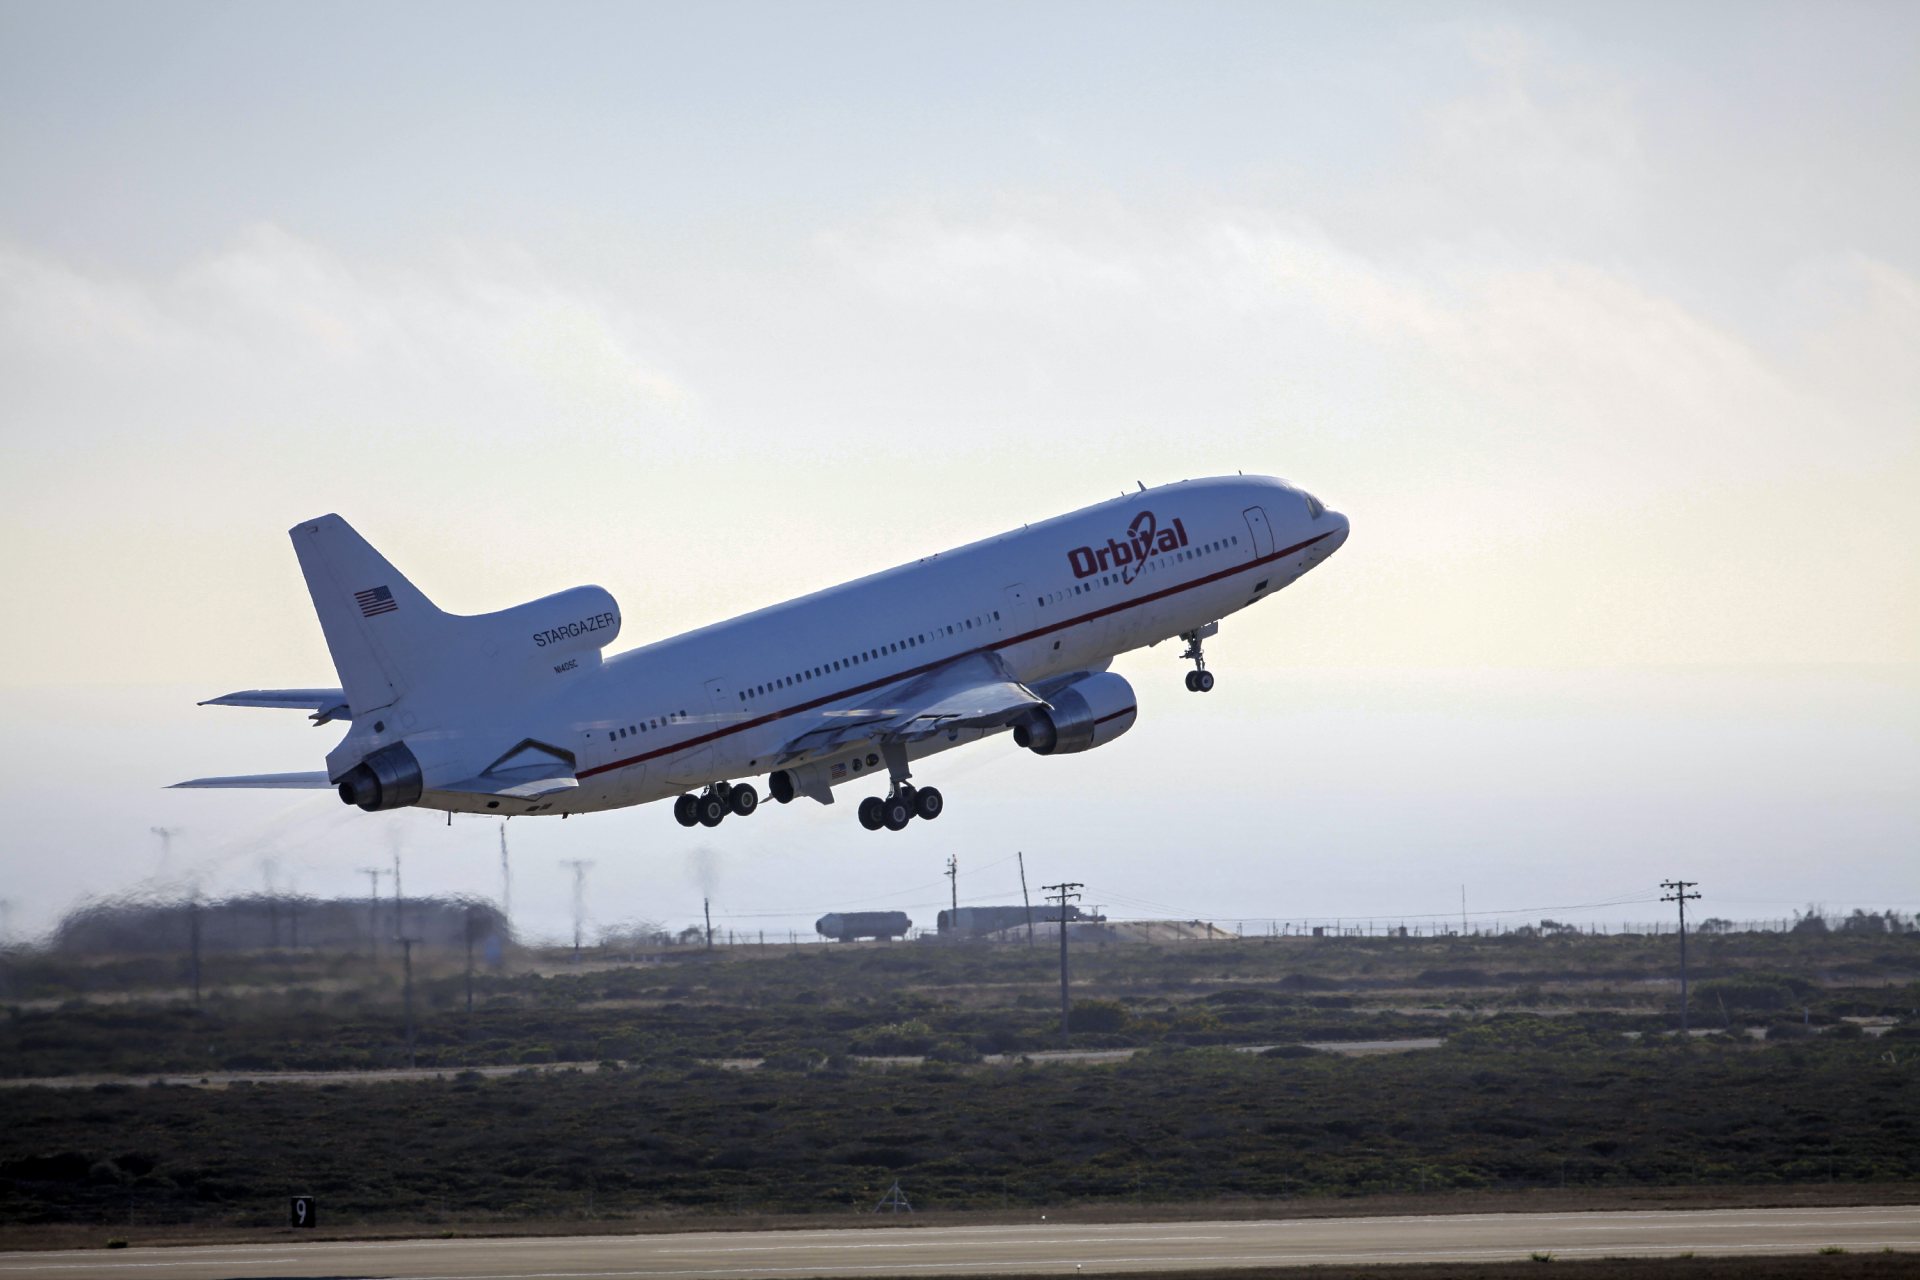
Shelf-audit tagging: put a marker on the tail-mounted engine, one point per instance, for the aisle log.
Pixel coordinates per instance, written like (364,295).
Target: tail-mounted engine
(1086,714)
(390,778)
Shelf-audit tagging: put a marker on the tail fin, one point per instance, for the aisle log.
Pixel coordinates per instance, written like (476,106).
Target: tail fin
(380,629)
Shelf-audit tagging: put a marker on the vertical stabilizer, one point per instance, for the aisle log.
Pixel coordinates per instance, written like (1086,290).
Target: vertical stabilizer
(379,627)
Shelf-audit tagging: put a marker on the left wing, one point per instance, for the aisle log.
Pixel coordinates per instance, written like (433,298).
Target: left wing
(973,692)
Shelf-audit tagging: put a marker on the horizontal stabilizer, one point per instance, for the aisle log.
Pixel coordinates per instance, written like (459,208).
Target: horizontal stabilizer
(315,781)
(323,704)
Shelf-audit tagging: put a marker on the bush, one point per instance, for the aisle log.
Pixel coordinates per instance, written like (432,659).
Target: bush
(1108,1016)
(1754,992)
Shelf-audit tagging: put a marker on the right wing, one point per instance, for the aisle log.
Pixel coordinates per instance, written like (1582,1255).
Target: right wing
(325,704)
(974,692)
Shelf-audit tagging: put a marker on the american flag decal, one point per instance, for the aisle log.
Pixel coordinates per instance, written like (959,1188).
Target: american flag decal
(839,771)
(375,601)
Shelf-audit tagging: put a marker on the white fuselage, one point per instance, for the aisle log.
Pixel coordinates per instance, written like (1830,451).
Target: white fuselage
(1057,597)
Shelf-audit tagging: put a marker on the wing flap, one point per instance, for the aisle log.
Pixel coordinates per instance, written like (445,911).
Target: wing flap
(974,692)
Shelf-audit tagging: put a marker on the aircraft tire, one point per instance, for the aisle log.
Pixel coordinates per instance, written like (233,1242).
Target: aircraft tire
(928,803)
(686,811)
(896,813)
(1203,681)
(1193,682)
(712,809)
(870,813)
(744,800)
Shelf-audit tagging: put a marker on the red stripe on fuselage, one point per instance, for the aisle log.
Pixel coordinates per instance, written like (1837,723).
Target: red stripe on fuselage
(1037,632)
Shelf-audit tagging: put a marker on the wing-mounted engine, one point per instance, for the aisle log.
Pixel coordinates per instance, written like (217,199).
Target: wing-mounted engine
(1087,713)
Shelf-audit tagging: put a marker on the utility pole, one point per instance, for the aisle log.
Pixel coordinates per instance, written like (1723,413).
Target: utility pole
(1678,893)
(469,935)
(166,835)
(1061,894)
(399,922)
(193,942)
(506,880)
(579,866)
(1463,911)
(706,908)
(1023,896)
(953,886)
(406,962)
(273,904)
(373,875)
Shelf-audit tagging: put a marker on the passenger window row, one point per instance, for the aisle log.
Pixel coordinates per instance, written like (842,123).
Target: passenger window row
(647,726)
(1114,579)
(865,656)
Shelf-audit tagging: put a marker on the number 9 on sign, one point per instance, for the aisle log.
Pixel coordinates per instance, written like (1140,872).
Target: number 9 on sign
(302,1211)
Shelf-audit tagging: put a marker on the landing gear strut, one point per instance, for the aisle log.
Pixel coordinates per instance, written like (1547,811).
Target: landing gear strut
(904,802)
(1199,680)
(711,807)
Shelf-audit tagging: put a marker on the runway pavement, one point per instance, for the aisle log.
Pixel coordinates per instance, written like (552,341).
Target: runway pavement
(1002,1250)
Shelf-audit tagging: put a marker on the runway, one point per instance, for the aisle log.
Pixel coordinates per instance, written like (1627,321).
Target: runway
(1004,1250)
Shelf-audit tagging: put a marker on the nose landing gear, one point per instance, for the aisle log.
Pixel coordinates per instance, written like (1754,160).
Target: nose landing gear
(1199,680)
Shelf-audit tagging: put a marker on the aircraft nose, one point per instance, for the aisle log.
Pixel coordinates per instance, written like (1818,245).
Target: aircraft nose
(1339,538)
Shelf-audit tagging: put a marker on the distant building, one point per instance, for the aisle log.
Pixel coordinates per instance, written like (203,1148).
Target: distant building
(971,922)
(268,922)
(846,926)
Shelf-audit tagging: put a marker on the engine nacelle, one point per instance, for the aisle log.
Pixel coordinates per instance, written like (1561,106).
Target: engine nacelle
(1086,714)
(390,778)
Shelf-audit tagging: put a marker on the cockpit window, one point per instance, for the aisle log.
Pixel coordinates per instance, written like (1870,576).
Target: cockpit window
(1315,507)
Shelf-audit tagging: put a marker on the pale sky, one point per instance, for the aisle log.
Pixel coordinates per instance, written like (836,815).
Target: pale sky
(1599,322)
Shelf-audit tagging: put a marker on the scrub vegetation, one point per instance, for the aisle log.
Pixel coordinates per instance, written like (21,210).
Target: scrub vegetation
(1558,1069)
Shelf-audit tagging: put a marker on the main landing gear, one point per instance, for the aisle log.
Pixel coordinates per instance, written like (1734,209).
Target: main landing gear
(1199,680)
(903,804)
(711,807)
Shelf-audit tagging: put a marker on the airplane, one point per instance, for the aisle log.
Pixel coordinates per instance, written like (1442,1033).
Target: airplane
(521,713)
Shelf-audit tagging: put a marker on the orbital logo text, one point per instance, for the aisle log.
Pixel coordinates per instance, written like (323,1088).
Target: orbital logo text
(1145,539)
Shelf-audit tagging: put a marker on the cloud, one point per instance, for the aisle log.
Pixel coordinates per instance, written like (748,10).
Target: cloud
(273,326)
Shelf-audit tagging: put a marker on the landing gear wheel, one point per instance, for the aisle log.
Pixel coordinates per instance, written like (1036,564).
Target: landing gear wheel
(928,803)
(686,810)
(895,813)
(711,808)
(907,791)
(744,800)
(1203,682)
(1193,682)
(870,817)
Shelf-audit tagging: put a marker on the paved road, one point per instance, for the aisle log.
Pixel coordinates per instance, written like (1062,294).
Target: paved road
(1039,1247)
